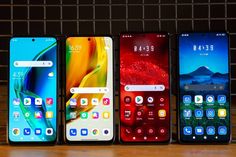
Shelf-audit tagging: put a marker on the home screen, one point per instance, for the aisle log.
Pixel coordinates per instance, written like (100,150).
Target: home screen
(89,89)
(32,90)
(204,108)
(144,88)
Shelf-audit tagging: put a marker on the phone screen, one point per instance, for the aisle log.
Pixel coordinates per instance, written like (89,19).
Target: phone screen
(144,88)
(204,90)
(89,89)
(33,90)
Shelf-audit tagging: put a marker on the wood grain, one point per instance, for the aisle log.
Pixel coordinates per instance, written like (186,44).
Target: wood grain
(121,151)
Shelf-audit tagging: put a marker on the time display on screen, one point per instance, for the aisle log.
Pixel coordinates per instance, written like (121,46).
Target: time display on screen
(197,47)
(18,75)
(147,48)
(75,48)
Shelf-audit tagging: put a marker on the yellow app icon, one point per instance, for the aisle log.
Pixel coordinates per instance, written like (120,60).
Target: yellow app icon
(106,115)
(221,113)
(49,114)
(162,113)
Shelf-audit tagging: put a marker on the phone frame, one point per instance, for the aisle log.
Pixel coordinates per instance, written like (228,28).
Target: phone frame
(36,143)
(170,108)
(178,90)
(95,142)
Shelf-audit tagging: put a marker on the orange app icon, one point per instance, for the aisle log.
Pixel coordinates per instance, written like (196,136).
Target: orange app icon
(162,113)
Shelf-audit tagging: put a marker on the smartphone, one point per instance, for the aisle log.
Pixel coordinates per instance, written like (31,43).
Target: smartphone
(89,107)
(144,88)
(32,101)
(204,88)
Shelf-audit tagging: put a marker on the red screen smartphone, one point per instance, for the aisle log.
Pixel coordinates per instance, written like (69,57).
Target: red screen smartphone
(144,88)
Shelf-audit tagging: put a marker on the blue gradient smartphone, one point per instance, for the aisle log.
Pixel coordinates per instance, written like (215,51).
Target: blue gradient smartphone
(32,116)
(204,88)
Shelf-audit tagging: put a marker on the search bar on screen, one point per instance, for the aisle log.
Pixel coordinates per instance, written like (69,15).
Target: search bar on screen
(204,87)
(33,64)
(85,90)
(132,88)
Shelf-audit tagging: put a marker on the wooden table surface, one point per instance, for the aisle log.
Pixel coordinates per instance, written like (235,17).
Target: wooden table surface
(175,150)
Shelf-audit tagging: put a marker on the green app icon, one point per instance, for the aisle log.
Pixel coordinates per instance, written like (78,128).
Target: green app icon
(84,115)
(27,114)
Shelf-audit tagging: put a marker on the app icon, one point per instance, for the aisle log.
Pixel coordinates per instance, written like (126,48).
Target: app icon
(73,103)
(49,101)
(49,131)
(187,130)
(16,115)
(84,132)
(151,131)
(106,132)
(127,99)
(210,113)
(198,113)
(106,101)
(210,130)
(187,99)
(139,131)
(27,114)
(15,131)
(222,130)
(198,99)
(49,114)
(221,99)
(38,101)
(27,101)
(73,132)
(51,74)
(38,114)
(127,113)
(95,132)
(128,131)
(95,115)
(210,99)
(162,131)
(187,113)
(150,99)
(221,113)
(106,115)
(162,99)
(27,131)
(151,113)
(38,131)
(83,101)
(84,115)
(199,130)
(162,113)
(138,99)
(73,115)
(95,101)
(16,101)
(139,113)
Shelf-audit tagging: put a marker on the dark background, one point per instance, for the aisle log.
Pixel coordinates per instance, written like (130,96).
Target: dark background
(110,17)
